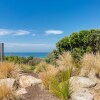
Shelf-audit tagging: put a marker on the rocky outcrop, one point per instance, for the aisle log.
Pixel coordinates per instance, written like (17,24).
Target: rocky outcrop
(26,81)
(82,82)
(82,94)
(21,91)
(8,81)
(80,87)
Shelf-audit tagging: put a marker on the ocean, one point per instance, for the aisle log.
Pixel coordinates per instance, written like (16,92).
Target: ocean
(27,54)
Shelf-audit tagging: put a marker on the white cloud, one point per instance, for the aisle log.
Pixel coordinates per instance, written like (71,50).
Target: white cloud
(56,32)
(21,32)
(4,32)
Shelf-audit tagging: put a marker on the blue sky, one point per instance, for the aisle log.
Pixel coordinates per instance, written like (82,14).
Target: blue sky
(37,25)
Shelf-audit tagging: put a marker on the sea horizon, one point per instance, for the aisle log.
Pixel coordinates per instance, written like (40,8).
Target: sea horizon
(27,54)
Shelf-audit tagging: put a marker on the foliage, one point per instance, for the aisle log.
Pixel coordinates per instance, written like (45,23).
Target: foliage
(64,61)
(18,59)
(8,70)
(42,66)
(47,76)
(26,68)
(23,60)
(35,61)
(60,86)
(80,42)
(51,58)
(90,62)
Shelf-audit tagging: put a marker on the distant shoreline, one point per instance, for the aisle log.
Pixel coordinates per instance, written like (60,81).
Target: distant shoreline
(27,54)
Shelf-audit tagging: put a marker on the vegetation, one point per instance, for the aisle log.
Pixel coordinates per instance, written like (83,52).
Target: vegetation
(77,54)
(90,62)
(8,70)
(23,60)
(60,86)
(43,66)
(78,43)
(7,93)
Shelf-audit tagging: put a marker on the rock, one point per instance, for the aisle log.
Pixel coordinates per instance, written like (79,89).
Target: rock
(97,88)
(26,81)
(94,76)
(8,81)
(81,82)
(82,94)
(21,91)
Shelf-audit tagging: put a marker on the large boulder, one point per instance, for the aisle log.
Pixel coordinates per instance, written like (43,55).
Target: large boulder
(82,94)
(8,81)
(81,82)
(26,81)
(21,91)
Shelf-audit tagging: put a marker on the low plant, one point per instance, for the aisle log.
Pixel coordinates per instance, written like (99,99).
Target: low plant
(42,66)
(26,68)
(47,76)
(90,62)
(60,86)
(8,70)
(7,93)
(65,61)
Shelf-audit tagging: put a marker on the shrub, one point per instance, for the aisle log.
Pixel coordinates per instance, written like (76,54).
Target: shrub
(7,93)
(8,70)
(51,58)
(35,61)
(26,68)
(60,86)
(42,66)
(47,76)
(65,61)
(90,62)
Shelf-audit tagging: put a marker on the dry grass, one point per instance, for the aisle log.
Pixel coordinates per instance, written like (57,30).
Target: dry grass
(42,66)
(8,70)
(90,62)
(47,76)
(25,68)
(65,61)
(6,93)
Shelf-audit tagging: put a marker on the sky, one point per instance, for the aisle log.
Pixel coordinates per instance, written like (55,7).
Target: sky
(37,25)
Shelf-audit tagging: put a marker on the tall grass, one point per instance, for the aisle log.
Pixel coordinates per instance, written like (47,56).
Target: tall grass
(42,66)
(26,68)
(65,61)
(57,79)
(8,70)
(60,86)
(90,62)
(47,76)
(7,93)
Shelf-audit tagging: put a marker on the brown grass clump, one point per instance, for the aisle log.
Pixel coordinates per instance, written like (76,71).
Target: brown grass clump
(90,62)
(65,61)
(42,66)
(8,70)
(47,76)
(6,93)
(26,68)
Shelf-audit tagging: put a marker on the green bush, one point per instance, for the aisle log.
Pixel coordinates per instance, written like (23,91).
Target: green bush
(60,86)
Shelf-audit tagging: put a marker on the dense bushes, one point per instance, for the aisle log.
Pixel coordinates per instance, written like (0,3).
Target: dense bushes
(77,43)
(86,40)
(23,60)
